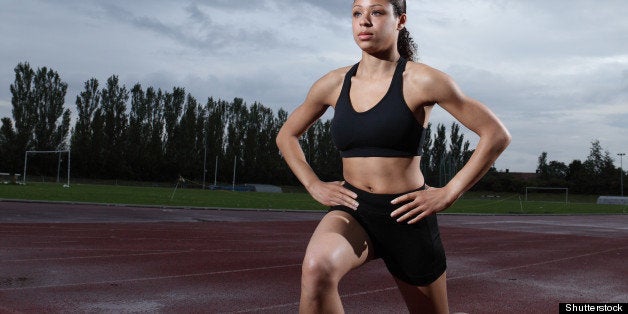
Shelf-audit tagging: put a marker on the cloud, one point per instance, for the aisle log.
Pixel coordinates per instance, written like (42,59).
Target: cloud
(338,9)
(197,29)
(556,73)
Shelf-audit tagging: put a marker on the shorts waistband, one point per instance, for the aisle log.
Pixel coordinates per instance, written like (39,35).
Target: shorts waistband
(362,193)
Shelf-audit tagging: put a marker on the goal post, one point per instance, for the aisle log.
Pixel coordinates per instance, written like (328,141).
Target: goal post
(34,152)
(547,190)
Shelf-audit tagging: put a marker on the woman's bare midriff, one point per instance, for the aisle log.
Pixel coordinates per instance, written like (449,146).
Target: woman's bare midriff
(383,175)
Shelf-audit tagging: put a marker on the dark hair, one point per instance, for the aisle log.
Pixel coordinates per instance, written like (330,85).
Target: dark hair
(405,44)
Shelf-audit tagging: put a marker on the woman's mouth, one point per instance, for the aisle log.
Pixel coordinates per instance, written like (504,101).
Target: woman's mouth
(365,35)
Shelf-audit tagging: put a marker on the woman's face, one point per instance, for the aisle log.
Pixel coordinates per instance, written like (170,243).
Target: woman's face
(375,26)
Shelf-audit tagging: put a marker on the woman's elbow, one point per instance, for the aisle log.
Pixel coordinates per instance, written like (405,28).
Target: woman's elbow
(282,138)
(497,138)
(502,139)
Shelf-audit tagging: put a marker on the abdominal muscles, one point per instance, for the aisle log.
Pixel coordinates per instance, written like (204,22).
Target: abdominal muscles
(383,175)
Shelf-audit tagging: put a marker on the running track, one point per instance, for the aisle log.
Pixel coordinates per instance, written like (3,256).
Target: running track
(94,258)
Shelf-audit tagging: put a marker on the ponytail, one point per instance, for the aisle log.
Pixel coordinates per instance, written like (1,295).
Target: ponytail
(405,44)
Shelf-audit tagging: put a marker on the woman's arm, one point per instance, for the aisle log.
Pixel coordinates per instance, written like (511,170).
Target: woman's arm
(314,106)
(494,138)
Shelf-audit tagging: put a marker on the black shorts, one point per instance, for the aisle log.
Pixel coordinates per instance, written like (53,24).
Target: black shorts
(412,253)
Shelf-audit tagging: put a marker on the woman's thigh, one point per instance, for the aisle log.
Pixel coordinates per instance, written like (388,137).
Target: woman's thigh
(340,242)
(426,299)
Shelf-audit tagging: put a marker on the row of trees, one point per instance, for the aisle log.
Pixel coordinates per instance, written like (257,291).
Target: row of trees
(162,135)
(596,175)
(154,135)
(147,134)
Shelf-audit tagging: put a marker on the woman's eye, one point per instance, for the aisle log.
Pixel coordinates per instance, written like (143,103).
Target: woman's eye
(356,14)
(377,13)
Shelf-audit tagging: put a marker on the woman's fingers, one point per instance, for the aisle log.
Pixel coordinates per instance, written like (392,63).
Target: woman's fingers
(346,197)
(406,212)
(410,198)
(349,198)
(333,194)
(344,200)
(416,208)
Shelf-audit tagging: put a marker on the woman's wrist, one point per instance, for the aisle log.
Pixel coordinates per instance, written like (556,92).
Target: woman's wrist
(453,192)
(310,183)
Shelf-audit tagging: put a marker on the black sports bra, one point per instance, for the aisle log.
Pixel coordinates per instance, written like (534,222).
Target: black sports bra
(389,129)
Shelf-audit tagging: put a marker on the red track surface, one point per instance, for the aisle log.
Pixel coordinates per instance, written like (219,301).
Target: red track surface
(87,258)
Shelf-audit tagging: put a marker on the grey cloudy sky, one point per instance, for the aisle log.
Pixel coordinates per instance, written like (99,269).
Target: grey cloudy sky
(555,72)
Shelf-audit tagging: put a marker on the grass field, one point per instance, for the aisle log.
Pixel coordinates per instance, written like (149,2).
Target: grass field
(472,202)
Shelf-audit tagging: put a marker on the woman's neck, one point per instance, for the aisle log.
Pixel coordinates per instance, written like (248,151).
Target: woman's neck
(371,65)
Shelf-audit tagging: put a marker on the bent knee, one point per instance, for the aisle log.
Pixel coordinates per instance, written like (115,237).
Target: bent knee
(319,270)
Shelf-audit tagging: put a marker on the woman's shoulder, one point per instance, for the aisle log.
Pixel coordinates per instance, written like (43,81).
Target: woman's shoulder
(423,73)
(335,76)
(431,81)
(428,84)
(332,80)
(327,89)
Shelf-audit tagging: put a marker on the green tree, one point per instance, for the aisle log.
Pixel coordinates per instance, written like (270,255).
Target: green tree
(314,149)
(138,134)
(114,104)
(329,161)
(426,159)
(551,173)
(52,123)
(466,152)
(259,145)
(438,155)
(145,132)
(85,155)
(600,165)
(578,177)
(188,143)
(542,167)
(309,142)
(214,133)
(98,168)
(19,135)
(173,107)
(7,148)
(154,155)
(557,171)
(456,139)
(251,128)
(595,160)
(237,115)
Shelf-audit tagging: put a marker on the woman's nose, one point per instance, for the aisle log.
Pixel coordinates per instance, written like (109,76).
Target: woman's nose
(365,20)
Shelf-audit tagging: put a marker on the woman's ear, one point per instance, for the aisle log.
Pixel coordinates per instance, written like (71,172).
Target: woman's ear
(402,21)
